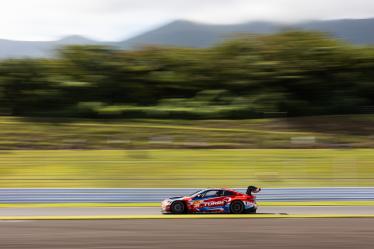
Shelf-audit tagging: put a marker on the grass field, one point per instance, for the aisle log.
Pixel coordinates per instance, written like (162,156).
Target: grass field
(187,168)
(352,131)
(283,152)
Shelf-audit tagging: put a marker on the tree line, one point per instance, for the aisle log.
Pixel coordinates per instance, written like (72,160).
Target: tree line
(293,73)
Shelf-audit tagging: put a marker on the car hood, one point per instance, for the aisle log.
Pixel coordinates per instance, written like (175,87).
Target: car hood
(178,198)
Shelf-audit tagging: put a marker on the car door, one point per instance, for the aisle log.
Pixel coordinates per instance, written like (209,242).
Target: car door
(212,201)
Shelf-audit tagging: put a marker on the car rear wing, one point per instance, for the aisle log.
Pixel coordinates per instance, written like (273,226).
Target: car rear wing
(252,189)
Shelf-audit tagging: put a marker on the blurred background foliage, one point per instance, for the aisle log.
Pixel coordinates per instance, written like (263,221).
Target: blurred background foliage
(288,74)
(100,117)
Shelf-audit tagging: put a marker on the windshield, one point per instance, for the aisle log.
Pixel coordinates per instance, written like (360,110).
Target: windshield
(196,192)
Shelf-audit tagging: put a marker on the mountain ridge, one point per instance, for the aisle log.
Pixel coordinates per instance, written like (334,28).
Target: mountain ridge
(185,33)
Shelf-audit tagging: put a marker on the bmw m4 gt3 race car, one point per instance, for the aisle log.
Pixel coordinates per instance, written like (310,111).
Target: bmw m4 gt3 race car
(213,201)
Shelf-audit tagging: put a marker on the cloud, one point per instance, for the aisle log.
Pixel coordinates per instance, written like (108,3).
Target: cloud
(117,19)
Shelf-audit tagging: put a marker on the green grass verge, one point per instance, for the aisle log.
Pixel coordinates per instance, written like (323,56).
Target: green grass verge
(171,168)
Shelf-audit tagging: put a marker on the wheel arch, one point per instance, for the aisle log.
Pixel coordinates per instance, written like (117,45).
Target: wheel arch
(183,202)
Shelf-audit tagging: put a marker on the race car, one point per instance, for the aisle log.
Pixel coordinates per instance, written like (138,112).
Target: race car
(219,200)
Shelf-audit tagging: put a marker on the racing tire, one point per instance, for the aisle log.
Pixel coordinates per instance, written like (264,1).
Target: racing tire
(178,207)
(237,207)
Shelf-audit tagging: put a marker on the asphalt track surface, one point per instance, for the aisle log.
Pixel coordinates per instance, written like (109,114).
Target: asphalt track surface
(220,234)
(136,211)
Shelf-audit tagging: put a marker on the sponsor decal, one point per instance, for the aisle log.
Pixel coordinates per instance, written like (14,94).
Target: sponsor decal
(214,203)
(202,204)
(196,204)
(249,204)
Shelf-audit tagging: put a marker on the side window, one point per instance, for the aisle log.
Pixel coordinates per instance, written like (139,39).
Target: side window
(210,194)
(229,193)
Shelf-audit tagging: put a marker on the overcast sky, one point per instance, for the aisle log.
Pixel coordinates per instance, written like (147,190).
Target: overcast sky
(120,19)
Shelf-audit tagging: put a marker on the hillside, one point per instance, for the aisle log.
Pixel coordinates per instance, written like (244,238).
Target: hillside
(191,34)
(19,49)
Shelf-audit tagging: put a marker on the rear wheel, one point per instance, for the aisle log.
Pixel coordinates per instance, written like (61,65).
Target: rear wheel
(237,207)
(177,207)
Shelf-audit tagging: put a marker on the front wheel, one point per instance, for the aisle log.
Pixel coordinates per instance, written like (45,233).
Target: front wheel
(178,207)
(237,207)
